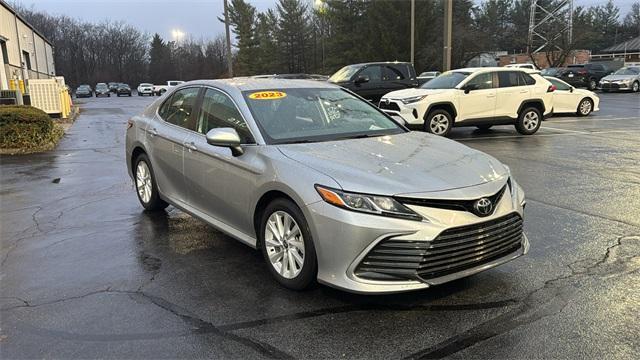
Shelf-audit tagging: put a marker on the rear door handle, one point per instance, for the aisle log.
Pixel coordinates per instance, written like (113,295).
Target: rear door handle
(191,146)
(491,96)
(153,132)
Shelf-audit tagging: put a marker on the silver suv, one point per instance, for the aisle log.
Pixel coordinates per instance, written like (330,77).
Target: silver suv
(326,185)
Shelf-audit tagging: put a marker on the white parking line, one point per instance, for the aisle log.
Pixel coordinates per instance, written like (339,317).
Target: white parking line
(548,135)
(565,130)
(593,119)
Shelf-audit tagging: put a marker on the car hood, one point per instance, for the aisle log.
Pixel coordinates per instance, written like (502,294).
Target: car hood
(408,93)
(398,164)
(619,77)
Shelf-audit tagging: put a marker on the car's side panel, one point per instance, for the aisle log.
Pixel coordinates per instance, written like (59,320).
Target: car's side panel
(477,104)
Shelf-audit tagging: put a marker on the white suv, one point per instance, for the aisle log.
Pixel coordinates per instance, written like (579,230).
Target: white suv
(480,97)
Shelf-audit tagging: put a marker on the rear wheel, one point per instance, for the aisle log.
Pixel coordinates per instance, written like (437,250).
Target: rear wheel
(585,107)
(438,122)
(146,187)
(287,245)
(592,84)
(529,121)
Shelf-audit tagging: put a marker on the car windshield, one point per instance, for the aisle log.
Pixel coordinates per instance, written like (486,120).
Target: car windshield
(448,80)
(299,115)
(146,84)
(428,73)
(101,86)
(627,71)
(345,73)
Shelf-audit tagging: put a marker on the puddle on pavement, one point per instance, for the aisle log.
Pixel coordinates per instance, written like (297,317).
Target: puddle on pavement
(187,234)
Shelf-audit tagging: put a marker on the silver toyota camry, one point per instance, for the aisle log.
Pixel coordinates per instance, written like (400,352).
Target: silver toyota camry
(325,185)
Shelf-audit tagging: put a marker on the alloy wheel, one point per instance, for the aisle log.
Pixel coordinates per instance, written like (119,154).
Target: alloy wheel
(585,107)
(439,124)
(143,181)
(636,87)
(531,120)
(284,244)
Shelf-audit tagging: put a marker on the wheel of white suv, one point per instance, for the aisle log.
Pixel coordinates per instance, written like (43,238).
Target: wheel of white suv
(585,107)
(635,87)
(438,122)
(287,245)
(146,187)
(529,121)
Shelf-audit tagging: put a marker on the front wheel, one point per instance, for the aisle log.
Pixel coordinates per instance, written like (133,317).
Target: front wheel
(585,107)
(529,121)
(592,84)
(635,87)
(287,245)
(146,186)
(438,122)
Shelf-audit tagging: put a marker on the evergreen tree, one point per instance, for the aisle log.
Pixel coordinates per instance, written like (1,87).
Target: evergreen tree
(293,34)
(242,16)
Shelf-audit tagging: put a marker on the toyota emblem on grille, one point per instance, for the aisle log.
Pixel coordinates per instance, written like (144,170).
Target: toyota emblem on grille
(483,206)
(386,101)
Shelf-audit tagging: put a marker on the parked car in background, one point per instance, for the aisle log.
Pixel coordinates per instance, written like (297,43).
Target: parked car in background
(481,97)
(84,91)
(584,75)
(145,89)
(554,72)
(426,76)
(293,76)
(123,89)
(161,89)
(568,99)
(372,80)
(325,185)
(113,86)
(521,66)
(102,89)
(626,78)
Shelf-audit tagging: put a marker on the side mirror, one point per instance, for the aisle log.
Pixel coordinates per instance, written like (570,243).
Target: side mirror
(571,88)
(361,79)
(470,87)
(225,137)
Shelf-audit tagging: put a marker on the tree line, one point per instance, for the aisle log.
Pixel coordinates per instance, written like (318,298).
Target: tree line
(297,37)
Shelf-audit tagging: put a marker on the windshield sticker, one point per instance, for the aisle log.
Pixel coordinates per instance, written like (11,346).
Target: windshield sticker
(267,95)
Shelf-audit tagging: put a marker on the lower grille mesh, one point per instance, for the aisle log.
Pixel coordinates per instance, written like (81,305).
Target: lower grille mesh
(454,250)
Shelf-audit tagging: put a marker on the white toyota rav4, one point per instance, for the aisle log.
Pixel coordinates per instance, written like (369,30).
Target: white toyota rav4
(480,97)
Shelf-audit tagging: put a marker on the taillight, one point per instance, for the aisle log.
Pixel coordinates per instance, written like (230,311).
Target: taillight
(582,72)
(552,88)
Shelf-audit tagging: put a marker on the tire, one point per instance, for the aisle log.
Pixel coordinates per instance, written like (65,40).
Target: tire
(635,87)
(146,187)
(484,127)
(592,84)
(438,122)
(529,121)
(301,276)
(585,107)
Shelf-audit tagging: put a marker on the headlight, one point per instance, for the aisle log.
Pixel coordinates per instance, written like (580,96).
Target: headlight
(370,204)
(412,100)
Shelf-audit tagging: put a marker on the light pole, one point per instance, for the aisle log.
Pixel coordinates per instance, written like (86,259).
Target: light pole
(413,30)
(448,22)
(226,27)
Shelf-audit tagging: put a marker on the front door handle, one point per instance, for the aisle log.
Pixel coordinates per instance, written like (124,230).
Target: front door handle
(191,146)
(152,132)
(491,96)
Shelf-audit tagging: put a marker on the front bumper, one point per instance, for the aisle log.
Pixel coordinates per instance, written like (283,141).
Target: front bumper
(344,238)
(411,113)
(614,86)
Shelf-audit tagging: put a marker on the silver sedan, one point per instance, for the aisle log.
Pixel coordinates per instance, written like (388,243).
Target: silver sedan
(325,185)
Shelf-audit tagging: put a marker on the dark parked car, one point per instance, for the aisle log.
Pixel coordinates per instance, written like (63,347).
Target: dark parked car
(584,75)
(102,89)
(373,80)
(123,89)
(113,87)
(427,76)
(84,91)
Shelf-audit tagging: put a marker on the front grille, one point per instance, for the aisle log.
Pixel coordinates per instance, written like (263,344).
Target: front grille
(454,250)
(390,106)
(460,205)
(610,86)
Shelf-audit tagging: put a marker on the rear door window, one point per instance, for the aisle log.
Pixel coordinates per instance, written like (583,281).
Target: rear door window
(392,73)
(510,79)
(179,107)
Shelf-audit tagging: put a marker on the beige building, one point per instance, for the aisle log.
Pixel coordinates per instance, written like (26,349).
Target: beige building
(25,52)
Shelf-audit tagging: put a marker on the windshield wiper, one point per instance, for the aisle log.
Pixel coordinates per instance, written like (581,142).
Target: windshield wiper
(301,141)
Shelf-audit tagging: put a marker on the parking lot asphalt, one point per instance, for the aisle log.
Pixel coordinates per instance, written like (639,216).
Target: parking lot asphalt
(86,273)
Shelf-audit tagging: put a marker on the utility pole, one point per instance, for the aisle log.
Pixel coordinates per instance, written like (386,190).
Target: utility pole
(448,23)
(413,30)
(226,27)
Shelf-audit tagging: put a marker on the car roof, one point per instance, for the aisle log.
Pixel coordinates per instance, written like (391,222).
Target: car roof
(495,68)
(248,84)
(380,63)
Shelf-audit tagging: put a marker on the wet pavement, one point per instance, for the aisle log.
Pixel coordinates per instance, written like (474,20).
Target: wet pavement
(86,273)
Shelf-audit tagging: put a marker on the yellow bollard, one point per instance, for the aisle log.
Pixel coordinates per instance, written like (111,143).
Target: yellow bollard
(12,84)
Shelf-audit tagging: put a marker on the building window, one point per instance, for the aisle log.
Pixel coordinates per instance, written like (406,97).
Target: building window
(27,59)
(5,54)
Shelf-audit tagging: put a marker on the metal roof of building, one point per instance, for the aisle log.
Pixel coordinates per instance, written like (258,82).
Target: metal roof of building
(632,45)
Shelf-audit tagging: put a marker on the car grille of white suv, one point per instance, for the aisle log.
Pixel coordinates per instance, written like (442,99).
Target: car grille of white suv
(456,249)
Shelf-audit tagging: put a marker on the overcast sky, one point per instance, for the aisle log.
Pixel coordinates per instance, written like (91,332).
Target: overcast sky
(195,17)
